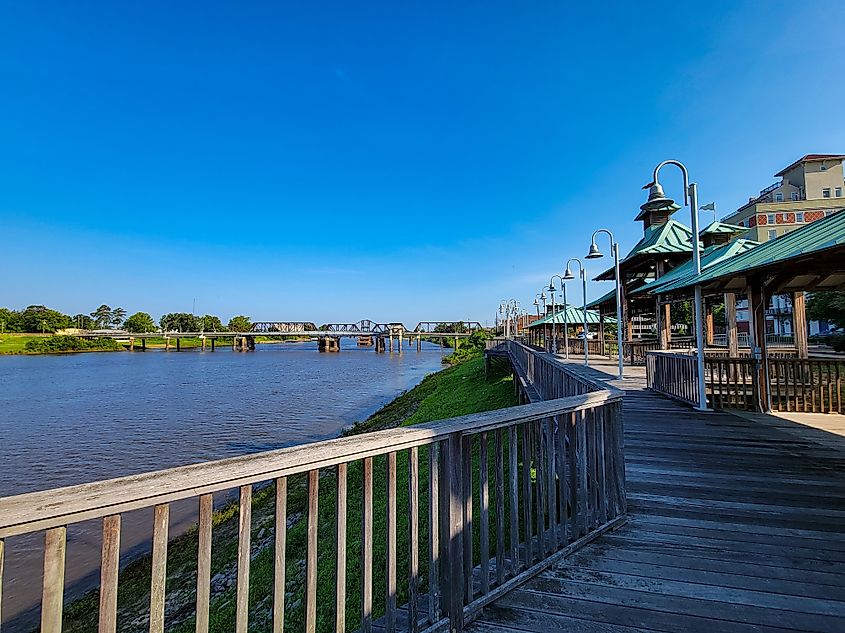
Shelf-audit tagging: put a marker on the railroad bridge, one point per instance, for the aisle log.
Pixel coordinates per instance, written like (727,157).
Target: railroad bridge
(383,336)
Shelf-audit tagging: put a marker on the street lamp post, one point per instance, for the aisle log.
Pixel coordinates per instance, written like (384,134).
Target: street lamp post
(595,254)
(552,290)
(568,275)
(691,200)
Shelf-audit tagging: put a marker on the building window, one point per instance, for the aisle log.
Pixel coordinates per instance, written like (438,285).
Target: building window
(772,234)
(799,217)
(794,196)
(778,197)
(770,218)
(838,192)
(828,212)
(826,192)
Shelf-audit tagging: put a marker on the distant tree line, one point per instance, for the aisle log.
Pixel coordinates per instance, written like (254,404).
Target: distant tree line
(41,319)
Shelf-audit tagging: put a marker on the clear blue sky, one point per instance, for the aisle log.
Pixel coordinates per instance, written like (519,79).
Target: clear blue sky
(339,162)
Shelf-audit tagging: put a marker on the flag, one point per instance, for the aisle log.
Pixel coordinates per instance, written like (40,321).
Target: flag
(708,207)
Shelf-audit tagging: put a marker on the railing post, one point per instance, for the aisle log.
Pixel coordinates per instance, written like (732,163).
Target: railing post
(453,592)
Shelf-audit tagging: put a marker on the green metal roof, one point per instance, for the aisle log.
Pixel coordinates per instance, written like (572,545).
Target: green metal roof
(659,239)
(811,239)
(573,316)
(607,297)
(710,256)
(723,228)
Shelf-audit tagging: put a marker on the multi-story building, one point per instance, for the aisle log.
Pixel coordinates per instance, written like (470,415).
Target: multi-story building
(809,189)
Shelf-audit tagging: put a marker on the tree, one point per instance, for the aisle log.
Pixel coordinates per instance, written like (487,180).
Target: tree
(179,322)
(827,306)
(8,320)
(84,322)
(140,323)
(240,323)
(211,323)
(102,316)
(42,319)
(117,316)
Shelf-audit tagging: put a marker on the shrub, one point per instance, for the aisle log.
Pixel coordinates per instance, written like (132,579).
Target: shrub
(52,344)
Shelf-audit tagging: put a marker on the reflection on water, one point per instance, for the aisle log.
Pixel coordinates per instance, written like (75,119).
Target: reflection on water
(71,419)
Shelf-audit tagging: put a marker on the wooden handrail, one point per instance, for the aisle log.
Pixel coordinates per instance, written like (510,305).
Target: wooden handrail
(559,461)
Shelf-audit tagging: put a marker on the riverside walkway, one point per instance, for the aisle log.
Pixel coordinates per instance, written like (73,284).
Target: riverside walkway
(734,524)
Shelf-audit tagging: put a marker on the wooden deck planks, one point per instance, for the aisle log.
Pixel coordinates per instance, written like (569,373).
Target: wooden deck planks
(735,525)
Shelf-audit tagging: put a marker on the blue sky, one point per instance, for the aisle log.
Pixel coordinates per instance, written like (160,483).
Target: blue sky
(333,162)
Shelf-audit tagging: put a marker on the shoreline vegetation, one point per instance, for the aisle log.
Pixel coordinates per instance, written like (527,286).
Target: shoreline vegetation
(36,344)
(457,390)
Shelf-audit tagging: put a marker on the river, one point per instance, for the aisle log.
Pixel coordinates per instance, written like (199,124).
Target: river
(70,419)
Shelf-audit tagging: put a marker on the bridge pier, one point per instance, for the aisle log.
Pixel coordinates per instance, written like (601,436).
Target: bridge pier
(212,344)
(202,339)
(131,343)
(365,341)
(328,344)
(399,341)
(143,345)
(419,343)
(379,345)
(166,343)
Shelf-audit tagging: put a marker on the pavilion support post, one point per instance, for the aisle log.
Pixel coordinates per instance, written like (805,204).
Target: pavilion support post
(664,323)
(730,324)
(708,324)
(757,302)
(799,323)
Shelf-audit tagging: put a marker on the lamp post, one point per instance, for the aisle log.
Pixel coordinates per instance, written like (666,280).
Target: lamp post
(545,314)
(691,200)
(552,291)
(568,275)
(595,253)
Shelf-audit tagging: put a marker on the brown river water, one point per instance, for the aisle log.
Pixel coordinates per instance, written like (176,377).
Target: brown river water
(71,419)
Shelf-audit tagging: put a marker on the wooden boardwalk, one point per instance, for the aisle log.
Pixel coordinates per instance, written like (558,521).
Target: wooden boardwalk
(735,525)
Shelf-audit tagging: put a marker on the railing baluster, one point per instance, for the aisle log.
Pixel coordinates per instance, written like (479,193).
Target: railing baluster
(601,466)
(434,532)
(2,560)
(109,572)
(560,449)
(204,562)
(540,487)
(413,537)
(499,459)
(390,553)
(367,549)
(581,460)
(52,600)
(244,532)
(484,503)
(467,526)
(340,551)
(551,488)
(526,494)
(158,579)
(453,509)
(513,490)
(279,547)
(311,551)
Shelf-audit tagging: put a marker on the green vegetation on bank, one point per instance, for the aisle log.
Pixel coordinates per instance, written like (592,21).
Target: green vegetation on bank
(457,390)
(53,344)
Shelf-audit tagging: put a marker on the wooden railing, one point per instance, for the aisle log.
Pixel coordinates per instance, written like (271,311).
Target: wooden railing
(673,375)
(467,534)
(808,385)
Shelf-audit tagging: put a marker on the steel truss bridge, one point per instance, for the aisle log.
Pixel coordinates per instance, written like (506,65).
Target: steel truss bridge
(363,328)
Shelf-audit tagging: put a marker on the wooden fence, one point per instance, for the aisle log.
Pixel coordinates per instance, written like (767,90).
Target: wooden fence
(492,499)
(673,375)
(802,385)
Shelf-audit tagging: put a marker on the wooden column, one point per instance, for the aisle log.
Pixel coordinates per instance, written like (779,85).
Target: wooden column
(730,324)
(708,324)
(757,302)
(664,323)
(799,323)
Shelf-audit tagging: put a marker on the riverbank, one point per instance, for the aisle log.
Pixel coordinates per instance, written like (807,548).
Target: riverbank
(454,391)
(34,344)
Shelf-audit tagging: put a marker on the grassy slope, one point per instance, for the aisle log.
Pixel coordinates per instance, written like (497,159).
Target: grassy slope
(454,391)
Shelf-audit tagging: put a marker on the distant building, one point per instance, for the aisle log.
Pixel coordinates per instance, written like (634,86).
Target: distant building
(809,189)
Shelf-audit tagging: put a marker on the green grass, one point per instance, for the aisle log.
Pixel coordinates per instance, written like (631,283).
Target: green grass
(454,391)
(33,344)
(14,343)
